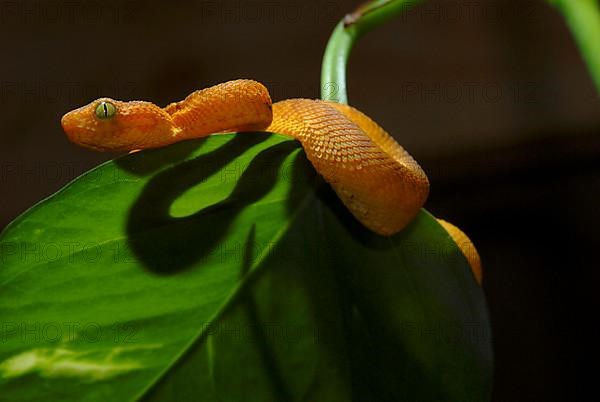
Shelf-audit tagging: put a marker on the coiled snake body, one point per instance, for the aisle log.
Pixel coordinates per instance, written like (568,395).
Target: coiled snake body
(377,180)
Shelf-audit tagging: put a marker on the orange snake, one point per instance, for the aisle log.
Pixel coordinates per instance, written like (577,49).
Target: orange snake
(377,180)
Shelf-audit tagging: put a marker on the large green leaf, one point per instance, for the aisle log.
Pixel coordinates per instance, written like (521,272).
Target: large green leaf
(226,270)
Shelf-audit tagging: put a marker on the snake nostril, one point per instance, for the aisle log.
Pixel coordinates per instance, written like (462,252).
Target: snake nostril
(66,122)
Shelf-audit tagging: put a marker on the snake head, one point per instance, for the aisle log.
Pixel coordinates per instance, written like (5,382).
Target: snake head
(110,125)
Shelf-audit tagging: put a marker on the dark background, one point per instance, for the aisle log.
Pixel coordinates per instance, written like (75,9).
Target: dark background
(491,97)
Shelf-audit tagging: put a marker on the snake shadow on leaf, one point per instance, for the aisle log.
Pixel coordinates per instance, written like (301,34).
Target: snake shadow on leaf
(166,244)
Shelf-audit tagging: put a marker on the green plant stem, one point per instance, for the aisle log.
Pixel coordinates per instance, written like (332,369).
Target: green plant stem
(583,18)
(345,34)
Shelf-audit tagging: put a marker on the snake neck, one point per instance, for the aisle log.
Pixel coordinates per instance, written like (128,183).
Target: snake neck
(240,105)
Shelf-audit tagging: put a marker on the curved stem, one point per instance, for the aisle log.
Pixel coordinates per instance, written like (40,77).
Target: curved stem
(333,69)
(583,18)
(345,34)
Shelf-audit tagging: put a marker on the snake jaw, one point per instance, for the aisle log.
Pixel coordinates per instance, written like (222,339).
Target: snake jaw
(76,125)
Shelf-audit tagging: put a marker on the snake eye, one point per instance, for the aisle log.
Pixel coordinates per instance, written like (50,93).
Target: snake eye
(105,110)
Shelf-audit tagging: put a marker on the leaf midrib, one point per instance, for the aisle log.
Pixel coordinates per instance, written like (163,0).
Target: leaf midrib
(254,270)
